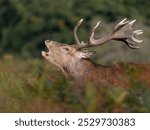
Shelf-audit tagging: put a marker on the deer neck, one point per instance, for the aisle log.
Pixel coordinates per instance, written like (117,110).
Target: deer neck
(78,69)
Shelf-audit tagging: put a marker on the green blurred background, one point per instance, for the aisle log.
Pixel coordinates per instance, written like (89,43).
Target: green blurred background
(25,24)
(29,84)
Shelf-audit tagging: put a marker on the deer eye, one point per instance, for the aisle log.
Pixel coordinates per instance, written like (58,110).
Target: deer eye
(66,49)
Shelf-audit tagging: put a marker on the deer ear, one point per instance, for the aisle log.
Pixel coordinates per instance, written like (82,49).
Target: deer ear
(87,54)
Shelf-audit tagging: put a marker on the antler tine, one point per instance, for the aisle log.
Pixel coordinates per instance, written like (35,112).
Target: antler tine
(132,47)
(120,33)
(133,41)
(91,35)
(122,23)
(135,33)
(75,32)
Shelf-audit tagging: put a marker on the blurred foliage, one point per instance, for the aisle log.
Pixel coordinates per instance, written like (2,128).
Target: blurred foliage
(32,86)
(25,24)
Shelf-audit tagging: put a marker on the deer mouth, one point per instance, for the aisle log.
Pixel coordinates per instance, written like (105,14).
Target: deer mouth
(46,53)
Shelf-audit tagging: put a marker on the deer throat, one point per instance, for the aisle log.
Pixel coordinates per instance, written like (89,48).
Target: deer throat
(78,70)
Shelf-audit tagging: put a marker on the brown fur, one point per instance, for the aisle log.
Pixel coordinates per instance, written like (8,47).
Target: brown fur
(78,66)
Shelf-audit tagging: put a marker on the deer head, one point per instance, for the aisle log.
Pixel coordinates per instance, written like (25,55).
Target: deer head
(71,58)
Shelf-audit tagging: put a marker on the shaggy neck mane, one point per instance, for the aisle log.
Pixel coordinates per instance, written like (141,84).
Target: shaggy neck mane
(80,69)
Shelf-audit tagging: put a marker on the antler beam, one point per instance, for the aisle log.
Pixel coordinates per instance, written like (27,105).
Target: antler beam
(122,32)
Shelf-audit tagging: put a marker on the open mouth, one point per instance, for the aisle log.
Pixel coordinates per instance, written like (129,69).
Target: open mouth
(46,53)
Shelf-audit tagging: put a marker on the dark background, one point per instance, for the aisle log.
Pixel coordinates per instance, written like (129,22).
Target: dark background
(25,24)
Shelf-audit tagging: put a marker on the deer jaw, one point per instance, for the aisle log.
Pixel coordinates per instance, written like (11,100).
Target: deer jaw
(66,57)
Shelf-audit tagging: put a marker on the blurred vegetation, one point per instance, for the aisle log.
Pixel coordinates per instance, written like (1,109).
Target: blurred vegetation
(29,84)
(35,86)
(25,24)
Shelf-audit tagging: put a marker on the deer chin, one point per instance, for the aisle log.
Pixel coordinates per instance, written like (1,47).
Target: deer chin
(46,53)
(43,53)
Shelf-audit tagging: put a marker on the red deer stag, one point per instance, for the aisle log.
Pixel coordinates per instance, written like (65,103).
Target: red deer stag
(76,64)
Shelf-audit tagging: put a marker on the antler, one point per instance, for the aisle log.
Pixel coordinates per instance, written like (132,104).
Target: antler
(79,44)
(121,32)
(75,32)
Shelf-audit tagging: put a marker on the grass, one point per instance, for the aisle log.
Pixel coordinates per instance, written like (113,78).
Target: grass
(34,85)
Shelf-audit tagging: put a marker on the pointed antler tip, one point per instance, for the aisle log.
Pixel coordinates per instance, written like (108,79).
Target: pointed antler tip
(124,20)
(81,20)
(137,32)
(98,23)
(133,21)
(133,47)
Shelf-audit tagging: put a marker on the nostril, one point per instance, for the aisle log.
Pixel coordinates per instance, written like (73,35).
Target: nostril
(47,54)
(47,41)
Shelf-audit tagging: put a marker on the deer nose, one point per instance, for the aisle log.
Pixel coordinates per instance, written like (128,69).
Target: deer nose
(47,41)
